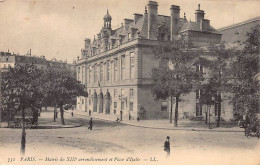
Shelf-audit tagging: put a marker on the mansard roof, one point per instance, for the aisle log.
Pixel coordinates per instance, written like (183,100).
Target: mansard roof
(194,26)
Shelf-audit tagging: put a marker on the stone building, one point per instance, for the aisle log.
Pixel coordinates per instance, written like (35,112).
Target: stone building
(8,59)
(116,65)
(233,35)
(237,32)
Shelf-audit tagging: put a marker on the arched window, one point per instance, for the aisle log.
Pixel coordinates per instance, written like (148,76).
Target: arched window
(107,102)
(101,102)
(95,102)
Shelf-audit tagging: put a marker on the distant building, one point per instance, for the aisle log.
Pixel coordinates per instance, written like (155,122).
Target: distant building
(116,65)
(238,32)
(8,59)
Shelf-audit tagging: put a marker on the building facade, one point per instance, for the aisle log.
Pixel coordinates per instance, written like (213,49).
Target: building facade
(116,65)
(8,59)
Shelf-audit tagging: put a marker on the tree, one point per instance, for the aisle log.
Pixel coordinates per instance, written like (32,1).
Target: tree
(61,88)
(176,74)
(219,72)
(245,67)
(21,89)
(207,97)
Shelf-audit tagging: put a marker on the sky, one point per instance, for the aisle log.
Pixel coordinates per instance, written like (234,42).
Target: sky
(57,28)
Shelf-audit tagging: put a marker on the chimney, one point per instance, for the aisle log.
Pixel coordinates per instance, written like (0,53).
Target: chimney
(152,19)
(87,43)
(199,14)
(127,22)
(204,25)
(175,17)
(137,17)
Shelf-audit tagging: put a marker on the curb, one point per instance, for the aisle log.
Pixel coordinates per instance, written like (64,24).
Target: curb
(141,126)
(57,127)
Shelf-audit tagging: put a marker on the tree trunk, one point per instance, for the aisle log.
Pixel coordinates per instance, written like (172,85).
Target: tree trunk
(176,111)
(23,133)
(219,109)
(54,113)
(171,111)
(61,114)
(206,115)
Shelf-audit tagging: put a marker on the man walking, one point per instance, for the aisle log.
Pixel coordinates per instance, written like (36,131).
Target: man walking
(167,146)
(90,124)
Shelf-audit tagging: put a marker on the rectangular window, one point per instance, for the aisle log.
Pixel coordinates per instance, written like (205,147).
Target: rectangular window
(131,92)
(132,65)
(89,99)
(101,72)
(198,109)
(164,105)
(6,58)
(122,105)
(197,94)
(122,92)
(131,106)
(115,93)
(89,76)
(115,69)
(79,74)
(115,105)
(95,73)
(108,70)
(82,75)
(122,67)
(200,69)
(217,106)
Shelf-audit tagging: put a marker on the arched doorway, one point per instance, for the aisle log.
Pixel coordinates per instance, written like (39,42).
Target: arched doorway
(101,101)
(107,102)
(95,101)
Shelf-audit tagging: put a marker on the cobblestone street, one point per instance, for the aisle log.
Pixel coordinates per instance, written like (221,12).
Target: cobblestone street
(110,139)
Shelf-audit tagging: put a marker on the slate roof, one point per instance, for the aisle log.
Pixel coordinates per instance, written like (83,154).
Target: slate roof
(194,26)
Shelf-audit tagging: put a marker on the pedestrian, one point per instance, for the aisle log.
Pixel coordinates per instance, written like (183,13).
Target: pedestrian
(90,124)
(167,146)
(72,114)
(138,118)
(130,116)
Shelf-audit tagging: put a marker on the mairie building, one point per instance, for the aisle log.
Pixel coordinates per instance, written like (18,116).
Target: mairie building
(116,65)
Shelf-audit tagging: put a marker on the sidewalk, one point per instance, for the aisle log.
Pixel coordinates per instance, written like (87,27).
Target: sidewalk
(45,121)
(183,124)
